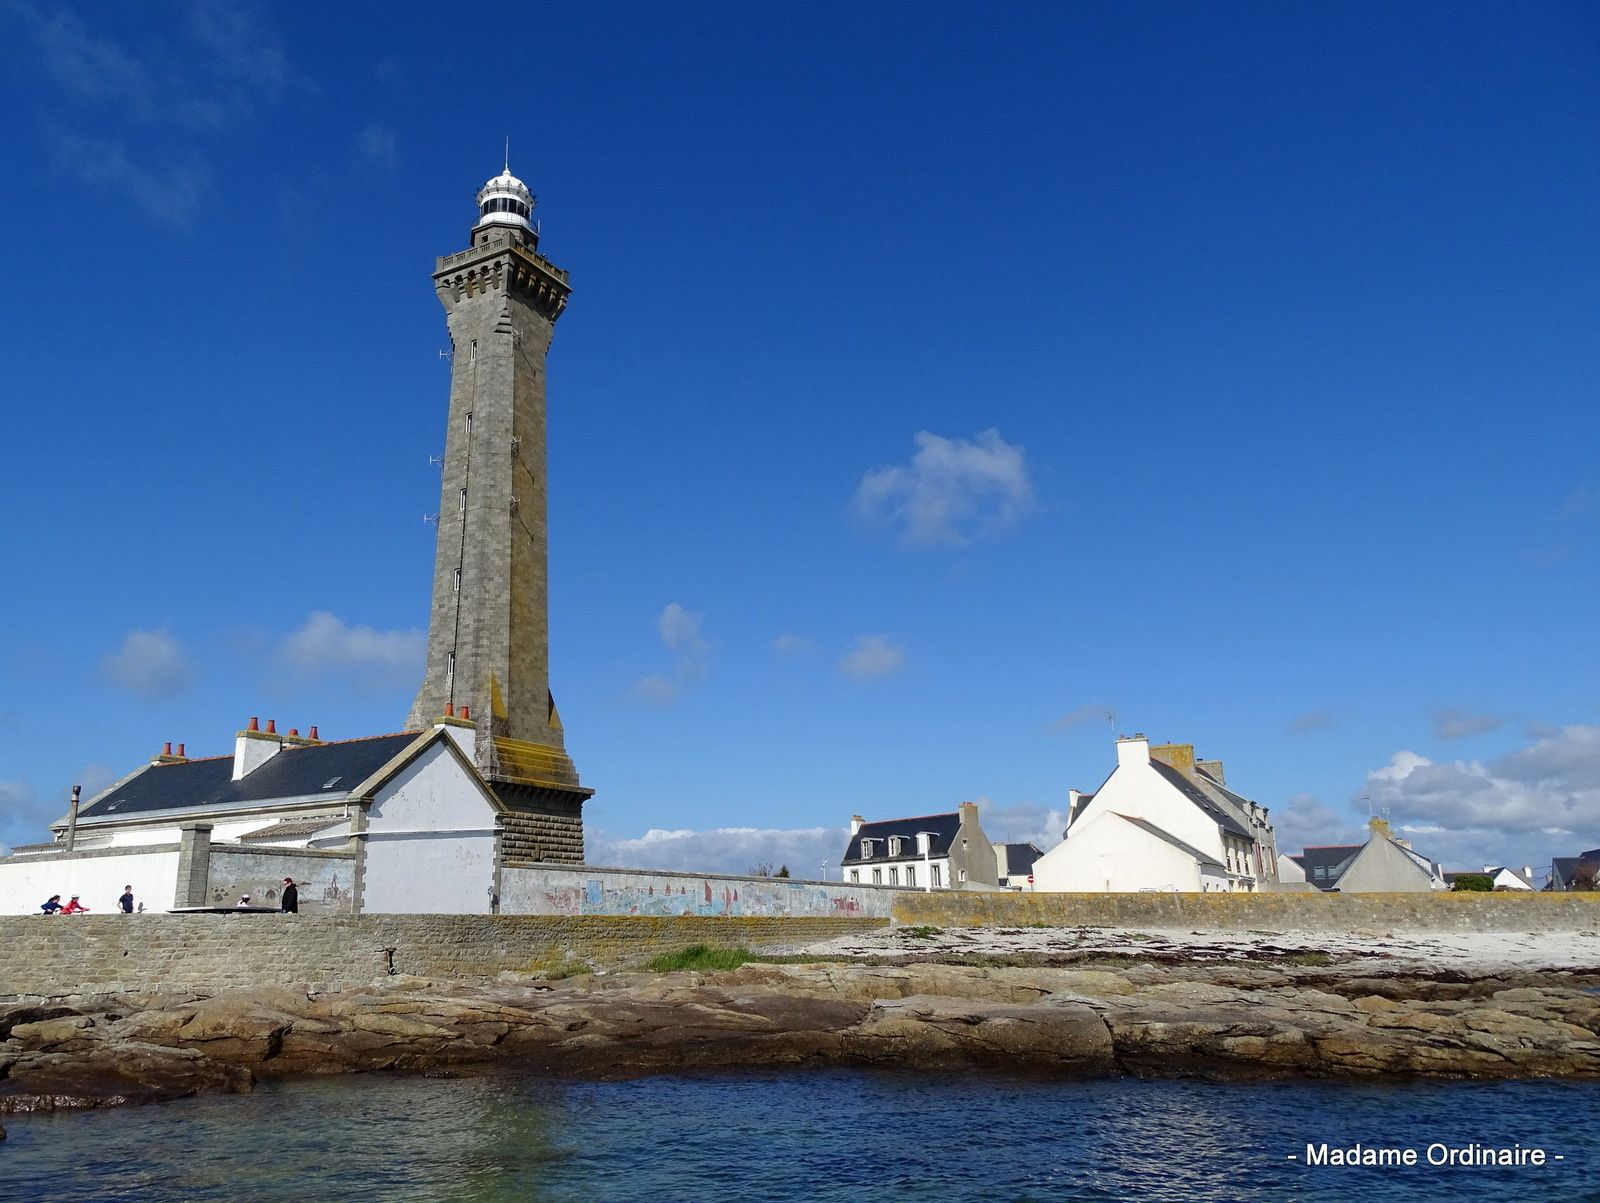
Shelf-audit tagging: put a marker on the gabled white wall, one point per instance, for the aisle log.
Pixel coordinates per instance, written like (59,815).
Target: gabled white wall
(1137,790)
(1106,852)
(26,881)
(430,842)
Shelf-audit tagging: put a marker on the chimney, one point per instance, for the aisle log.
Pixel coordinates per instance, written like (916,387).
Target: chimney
(969,813)
(855,823)
(313,735)
(1212,769)
(253,747)
(1133,749)
(181,755)
(1177,756)
(272,726)
(460,729)
(1377,827)
(72,818)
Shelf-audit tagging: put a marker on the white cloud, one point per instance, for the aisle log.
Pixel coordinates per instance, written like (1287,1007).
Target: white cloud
(1311,721)
(380,146)
(1538,800)
(872,657)
(1304,821)
(723,850)
(656,690)
(953,492)
(151,664)
(680,632)
(1022,823)
(1082,716)
(194,72)
(367,659)
(791,645)
(1455,723)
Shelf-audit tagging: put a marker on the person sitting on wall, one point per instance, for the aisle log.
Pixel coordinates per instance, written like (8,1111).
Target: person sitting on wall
(74,907)
(290,902)
(52,904)
(126,901)
(244,900)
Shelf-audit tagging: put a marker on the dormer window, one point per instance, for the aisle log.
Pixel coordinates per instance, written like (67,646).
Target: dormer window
(895,843)
(866,849)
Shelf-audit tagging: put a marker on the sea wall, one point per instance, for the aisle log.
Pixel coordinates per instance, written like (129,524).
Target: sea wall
(1441,911)
(544,889)
(97,953)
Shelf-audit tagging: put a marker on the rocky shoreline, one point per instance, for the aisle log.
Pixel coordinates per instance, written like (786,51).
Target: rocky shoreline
(1080,1010)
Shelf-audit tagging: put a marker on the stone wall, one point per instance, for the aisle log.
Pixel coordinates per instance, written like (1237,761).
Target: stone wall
(326,879)
(1441,911)
(544,889)
(103,953)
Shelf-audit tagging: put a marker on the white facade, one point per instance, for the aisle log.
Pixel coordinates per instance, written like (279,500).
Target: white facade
(1160,825)
(25,882)
(430,840)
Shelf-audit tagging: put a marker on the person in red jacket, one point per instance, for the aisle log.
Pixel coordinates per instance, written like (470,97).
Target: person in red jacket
(74,907)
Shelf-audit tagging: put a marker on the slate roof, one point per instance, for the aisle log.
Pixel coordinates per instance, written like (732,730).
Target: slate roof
(329,770)
(1201,799)
(286,829)
(944,828)
(1334,859)
(1562,869)
(1203,858)
(1020,858)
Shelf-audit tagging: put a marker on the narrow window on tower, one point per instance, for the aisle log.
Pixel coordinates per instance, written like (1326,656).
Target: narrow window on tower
(450,672)
(474,352)
(469,423)
(455,582)
(463,501)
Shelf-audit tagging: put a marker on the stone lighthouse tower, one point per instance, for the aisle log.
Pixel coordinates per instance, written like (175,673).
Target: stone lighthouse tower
(488,632)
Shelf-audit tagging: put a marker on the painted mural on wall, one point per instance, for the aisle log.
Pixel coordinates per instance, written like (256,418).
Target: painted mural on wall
(688,897)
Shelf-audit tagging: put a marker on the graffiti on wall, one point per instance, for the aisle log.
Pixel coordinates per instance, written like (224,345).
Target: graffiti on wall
(598,896)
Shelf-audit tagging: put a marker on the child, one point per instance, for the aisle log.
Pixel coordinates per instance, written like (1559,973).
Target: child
(74,907)
(52,904)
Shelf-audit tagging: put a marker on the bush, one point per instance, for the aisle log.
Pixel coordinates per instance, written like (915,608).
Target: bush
(700,957)
(1473,882)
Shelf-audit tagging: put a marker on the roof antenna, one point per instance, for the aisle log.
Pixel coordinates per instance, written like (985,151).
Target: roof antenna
(508,154)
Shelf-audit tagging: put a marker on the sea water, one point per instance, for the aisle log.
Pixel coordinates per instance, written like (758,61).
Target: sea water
(814,1135)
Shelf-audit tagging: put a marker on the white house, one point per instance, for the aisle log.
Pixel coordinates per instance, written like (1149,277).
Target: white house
(389,824)
(937,852)
(1385,865)
(1161,821)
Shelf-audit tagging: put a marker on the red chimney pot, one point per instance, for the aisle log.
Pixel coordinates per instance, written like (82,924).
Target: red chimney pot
(272,726)
(313,732)
(166,748)
(255,723)
(466,714)
(180,749)
(449,709)
(295,731)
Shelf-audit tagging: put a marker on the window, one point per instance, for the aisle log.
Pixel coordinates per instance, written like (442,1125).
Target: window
(469,417)
(961,875)
(455,582)
(866,848)
(855,874)
(450,671)
(894,876)
(911,875)
(894,845)
(1320,873)
(462,501)
(937,877)
(877,877)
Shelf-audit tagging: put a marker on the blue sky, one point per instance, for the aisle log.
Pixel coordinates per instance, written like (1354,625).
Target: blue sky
(937,380)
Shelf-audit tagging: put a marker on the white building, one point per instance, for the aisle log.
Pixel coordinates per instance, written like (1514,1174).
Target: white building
(937,852)
(1161,821)
(390,824)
